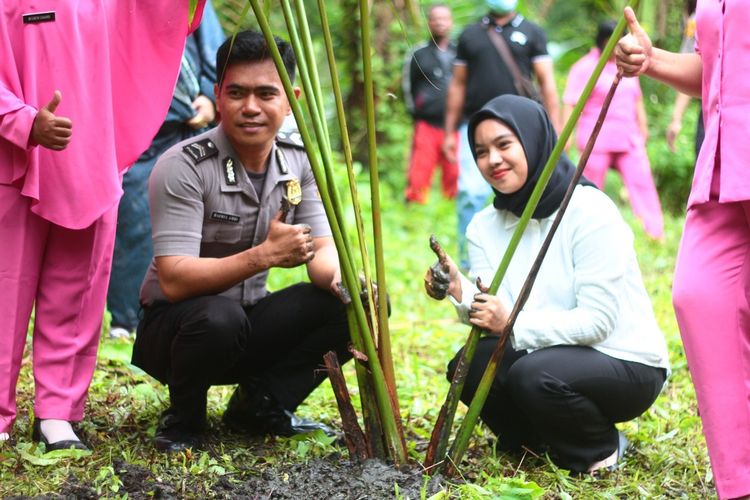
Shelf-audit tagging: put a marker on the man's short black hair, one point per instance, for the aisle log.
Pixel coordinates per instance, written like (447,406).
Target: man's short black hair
(604,32)
(251,46)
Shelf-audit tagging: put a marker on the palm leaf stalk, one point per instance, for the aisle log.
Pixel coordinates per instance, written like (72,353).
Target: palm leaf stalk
(306,69)
(299,8)
(383,396)
(438,442)
(384,341)
(346,146)
(373,426)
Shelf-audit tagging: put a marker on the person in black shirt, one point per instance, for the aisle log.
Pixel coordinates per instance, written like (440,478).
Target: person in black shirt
(480,74)
(426,76)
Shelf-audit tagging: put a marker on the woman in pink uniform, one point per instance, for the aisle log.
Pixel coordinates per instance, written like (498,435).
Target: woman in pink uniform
(712,276)
(84,86)
(622,141)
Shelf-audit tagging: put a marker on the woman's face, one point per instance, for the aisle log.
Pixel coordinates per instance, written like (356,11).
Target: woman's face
(500,156)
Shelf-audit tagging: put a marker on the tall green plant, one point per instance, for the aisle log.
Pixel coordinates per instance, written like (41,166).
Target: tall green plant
(320,157)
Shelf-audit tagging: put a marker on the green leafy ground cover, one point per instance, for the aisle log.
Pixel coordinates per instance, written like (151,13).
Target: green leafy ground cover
(668,459)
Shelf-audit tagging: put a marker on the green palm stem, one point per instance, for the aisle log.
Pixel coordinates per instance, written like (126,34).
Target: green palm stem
(370,414)
(384,341)
(441,433)
(464,433)
(304,71)
(372,418)
(394,440)
(299,7)
(346,146)
(314,109)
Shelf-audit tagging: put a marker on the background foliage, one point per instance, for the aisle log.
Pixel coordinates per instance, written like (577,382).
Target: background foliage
(669,458)
(570,25)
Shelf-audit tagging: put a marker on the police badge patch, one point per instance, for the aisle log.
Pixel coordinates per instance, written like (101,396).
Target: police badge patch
(293,191)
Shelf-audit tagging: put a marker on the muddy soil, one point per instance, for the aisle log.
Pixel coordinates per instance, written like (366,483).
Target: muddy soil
(371,479)
(328,478)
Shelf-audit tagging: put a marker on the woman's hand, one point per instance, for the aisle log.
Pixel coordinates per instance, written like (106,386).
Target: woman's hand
(440,282)
(489,313)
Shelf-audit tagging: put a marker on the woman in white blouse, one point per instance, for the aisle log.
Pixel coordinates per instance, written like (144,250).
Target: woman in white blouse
(586,351)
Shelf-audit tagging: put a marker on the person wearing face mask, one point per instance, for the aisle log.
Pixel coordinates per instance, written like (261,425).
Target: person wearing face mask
(585,352)
(481,72)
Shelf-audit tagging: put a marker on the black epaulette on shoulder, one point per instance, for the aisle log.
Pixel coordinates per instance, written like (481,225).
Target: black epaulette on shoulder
(290,138)
(200,150)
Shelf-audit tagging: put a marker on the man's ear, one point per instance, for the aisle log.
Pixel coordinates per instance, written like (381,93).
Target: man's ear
(297,92)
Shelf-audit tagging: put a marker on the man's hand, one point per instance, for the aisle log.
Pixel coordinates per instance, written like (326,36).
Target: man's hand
(339,289)
(204,112)
(288,245)
(633,51)
(449,148)
(50,131)
(489,313)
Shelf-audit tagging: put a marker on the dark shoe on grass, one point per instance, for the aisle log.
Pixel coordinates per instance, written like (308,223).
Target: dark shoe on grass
(38,436)
(173,436)
(260,415)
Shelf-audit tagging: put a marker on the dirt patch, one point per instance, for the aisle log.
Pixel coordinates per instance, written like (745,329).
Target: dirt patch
(326,478)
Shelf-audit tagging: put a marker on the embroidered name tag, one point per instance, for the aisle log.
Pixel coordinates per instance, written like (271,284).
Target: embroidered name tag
(39,17)
(225,217)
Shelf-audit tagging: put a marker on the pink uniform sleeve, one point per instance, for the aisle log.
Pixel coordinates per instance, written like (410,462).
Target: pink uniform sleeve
(143,68)
(16,118)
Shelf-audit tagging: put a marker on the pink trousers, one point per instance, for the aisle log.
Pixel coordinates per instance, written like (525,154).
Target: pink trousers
(710,293)
(63,273)
(635,170)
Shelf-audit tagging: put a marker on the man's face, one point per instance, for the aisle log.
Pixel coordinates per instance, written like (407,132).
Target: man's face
(440,22)
(252,103)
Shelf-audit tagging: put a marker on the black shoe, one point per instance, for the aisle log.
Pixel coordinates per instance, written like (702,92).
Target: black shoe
(173,436)
(38,436)
(261,414)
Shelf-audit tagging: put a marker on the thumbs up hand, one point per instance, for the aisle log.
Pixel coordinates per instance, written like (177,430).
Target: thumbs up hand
(51,131)
(633,51)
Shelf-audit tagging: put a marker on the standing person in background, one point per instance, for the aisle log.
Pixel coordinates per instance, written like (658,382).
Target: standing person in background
(427,73)
(682,100)
(479,74)
(622,140)
(73,74)
(191,111)
(712,275)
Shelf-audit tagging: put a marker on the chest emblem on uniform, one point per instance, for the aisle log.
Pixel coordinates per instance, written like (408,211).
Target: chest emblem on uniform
(230,176)
(293,191)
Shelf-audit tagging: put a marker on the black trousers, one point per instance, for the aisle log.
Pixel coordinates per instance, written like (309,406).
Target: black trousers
(564,398)
(277,344)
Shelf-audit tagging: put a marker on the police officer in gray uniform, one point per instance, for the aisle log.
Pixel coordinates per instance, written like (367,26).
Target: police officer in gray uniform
(217,230)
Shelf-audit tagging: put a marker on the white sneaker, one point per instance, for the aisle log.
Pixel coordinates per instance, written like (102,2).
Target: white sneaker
(118,332)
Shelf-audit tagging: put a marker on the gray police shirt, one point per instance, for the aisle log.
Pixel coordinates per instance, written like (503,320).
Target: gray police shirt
(203,204)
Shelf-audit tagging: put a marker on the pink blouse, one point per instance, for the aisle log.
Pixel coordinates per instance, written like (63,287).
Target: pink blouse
(723,41)
(115,63)
(620,131)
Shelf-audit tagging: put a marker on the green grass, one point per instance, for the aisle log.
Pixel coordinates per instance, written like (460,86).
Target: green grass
(668,459)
